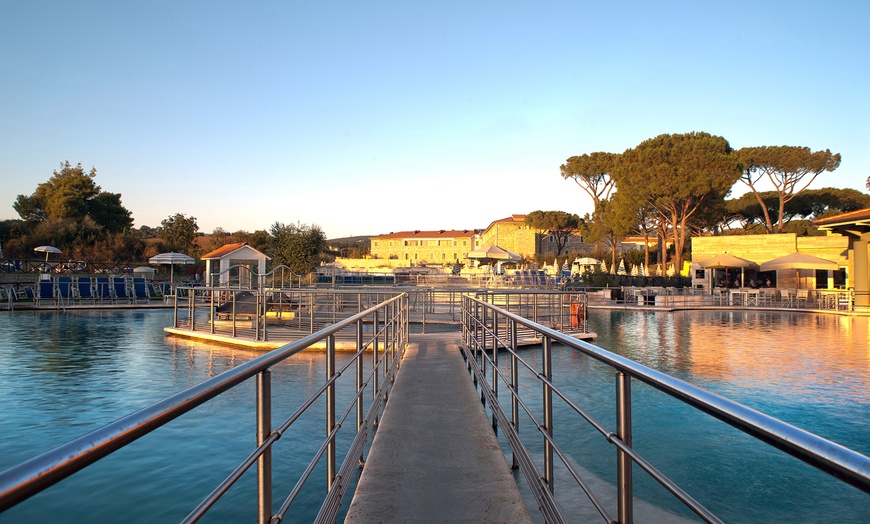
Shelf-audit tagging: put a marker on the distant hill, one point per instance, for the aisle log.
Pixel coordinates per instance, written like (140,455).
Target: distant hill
(361,241)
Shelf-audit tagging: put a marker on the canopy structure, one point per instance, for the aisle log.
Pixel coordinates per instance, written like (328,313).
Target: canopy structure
(587,261)
(494,254)
(726,261)
(47,250)
(171,258)
(799,261)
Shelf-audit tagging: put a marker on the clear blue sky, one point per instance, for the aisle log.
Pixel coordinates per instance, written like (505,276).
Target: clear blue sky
(366,117)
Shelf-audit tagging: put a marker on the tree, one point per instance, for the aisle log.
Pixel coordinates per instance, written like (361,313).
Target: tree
(179,232)
(298,246)
(608,225)
(591,173)
(676,175)
(72,194)
(559,224)
(790,169)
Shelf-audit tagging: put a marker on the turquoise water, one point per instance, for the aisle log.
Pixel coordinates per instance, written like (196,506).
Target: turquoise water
(812,371)
(64,374)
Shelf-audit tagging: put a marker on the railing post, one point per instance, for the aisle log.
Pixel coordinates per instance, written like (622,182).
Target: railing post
(376,386)
(359,380)
(264,463)
(330,411)
(548,411)
(211,309)
(623,462)
(494,387)
(515,385)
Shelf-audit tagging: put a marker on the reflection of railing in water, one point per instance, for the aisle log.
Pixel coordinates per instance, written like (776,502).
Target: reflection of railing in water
(490,333)
(385,341)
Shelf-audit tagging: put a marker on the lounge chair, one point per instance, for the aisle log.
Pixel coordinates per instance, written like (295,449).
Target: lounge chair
(85,289)
(103,290)
(140,290)
(65,289)
(46,292)
(119,290)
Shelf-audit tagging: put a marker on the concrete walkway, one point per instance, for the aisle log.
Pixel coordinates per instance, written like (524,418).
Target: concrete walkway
(435,457)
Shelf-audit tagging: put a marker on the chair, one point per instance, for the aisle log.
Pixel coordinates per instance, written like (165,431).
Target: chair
(65,290)
(103,290)
(45,291)
(85,289)
(119,290)
(140,290)
(803,296)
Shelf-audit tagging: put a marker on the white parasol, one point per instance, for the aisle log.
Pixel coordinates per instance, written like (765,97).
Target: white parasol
(171,258)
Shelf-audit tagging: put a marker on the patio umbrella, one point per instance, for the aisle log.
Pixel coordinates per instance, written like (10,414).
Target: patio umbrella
(494,254)
(726,261)
(798,261)
(587,261)
(46,250)
(171,258)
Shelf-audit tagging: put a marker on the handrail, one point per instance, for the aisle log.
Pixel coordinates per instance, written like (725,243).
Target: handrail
(387,341)
(482,338)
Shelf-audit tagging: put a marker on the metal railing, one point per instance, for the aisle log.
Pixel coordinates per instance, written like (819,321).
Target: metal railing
(281,313)
(381,330)
(488,330)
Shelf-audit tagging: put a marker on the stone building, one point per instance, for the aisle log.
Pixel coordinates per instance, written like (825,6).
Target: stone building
(424,247)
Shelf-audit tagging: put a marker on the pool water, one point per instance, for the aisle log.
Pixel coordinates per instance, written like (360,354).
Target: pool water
(64,374)
(812,371)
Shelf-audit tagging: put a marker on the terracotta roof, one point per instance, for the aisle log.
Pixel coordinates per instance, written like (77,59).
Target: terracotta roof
(444,233)
(224,250)
(852,216)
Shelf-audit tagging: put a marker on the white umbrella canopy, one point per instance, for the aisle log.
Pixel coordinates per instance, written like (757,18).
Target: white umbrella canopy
(494,253)
(798,261)
(47,250)
(587,261)
(725,261)
(171,258)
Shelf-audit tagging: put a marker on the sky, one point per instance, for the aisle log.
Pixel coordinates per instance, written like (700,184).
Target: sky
(365,118)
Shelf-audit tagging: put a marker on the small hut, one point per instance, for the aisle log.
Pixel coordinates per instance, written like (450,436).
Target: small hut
(230,255)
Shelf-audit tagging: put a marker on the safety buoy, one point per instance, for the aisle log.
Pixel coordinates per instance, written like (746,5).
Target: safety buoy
(576,314)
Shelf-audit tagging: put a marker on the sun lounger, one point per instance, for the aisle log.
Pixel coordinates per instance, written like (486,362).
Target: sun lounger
(103,290)
(85,290)
(119,290)
(140,290)
(65,290)
(46,292)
